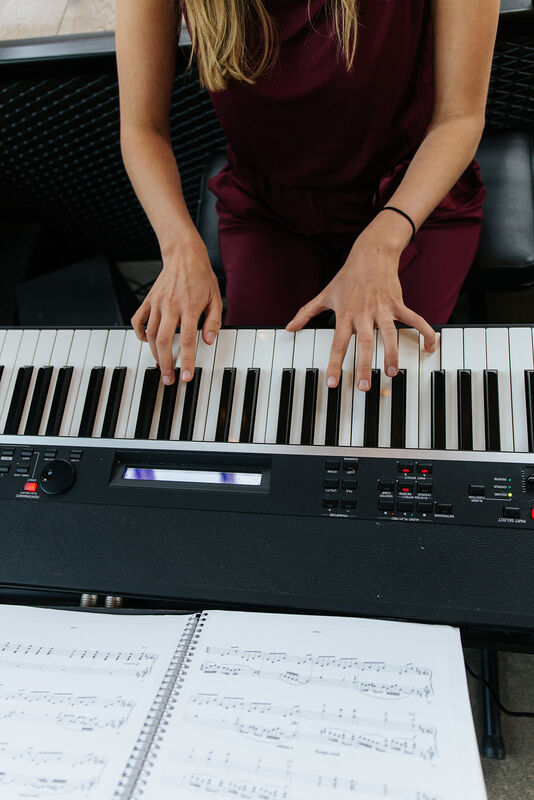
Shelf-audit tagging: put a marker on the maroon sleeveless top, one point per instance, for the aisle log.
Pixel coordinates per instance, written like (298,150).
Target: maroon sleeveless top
(308,122)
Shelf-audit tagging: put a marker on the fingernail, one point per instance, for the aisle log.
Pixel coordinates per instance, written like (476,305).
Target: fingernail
(432,348)
(210,336)
(166,380)
(363,385)
(331,381)
(391,371)
(186,375)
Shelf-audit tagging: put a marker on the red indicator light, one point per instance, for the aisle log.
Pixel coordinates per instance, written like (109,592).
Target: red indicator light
(30,486)
(405,470)
(532,513)
(405,490)
(424,471)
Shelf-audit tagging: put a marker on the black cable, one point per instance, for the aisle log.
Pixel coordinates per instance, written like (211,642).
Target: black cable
(496,697)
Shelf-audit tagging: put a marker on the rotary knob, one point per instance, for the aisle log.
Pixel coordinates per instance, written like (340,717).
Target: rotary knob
(57,477)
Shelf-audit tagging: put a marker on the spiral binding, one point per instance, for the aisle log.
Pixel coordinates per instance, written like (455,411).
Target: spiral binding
(141,758)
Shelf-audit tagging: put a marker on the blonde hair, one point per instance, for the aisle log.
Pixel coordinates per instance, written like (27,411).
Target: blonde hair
(218,34)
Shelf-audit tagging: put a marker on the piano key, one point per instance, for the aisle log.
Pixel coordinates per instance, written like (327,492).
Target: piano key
(180,401)
(475,361)
(130,357)
(285,406)
(263,361)
(93,358)
(2,339)
(59,400)
(520,360)
(18,399)
(452,359)
(92,399)
(347,392)
(146,362)
(409,361)
(205,358)
(321,357)
(190,406)
(529,397)
(224,358)
(428,363)
(333,414)
(384,419)
(10,350)
(179,396)
(284,342)
(465,410)
(250,401)
(110,360)
(243,357)
(302,358)
(151,382)
(438,417)
(168,404)
(76,359)
(156,412)
(24,358)
(398,409)
(58,360)
(491,410)
(498,358)
(41,358)
(40,392)
(225,405)
(372,410)
(359,402)
(111,414)
(309,407)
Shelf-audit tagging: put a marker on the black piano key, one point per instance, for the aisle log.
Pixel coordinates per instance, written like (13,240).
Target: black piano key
(372,410)
(250,400)
(465,410)
(333,411)
(398,409)
(147,403)
(59,400)
(285,408)
(1,371)
(190,406)
(225,405)
(92,399)
(529,396)
(309,407)
(438,416)
(40,393)
(18,399)
(114,403)
(168,402)
(491,410)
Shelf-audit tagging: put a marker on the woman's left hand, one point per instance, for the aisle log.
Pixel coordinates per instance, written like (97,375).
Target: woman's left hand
(366,293)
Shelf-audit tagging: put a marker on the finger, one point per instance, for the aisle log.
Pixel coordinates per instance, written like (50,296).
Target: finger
(188,341)
(164,342)
(304,314)
(340,343)
(388,332)
(212,323)
(364,355)
(139,320)
(409,317)
(152,332)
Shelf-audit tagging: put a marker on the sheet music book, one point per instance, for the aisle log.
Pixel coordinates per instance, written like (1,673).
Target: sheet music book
(234,705)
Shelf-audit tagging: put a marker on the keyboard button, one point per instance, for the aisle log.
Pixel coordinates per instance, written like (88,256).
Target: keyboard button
(348,502)
(350,465)
(386,486)
(477,491)
(26,453)
(331,463)
(424,487)
(330,502)
(424,467)
(425,506)
(8,452)
(405,466)
(349,483)
(404,505)
(331,483)
(385,505)
(512,512)
(50,453)
(4,468)
(405,487)
(444,508)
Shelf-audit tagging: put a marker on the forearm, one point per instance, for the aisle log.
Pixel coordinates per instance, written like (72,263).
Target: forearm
(442,157)
(153,172)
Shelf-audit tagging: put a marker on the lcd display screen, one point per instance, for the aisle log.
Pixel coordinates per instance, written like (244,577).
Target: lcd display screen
(192,476)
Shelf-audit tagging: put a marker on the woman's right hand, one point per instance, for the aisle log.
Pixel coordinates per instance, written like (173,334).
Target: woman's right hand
(185,287)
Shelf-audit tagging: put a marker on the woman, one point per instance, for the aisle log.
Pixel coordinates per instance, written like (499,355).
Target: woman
(333,109)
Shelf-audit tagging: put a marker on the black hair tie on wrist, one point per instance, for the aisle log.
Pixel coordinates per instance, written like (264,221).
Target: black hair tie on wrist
(405,215)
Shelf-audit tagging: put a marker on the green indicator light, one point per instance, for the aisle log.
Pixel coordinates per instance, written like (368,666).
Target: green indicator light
(509,494)
(412,515)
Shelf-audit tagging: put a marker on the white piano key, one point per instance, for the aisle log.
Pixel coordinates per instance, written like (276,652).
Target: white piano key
(205,359)
(146,360)
(347,392)
(59,358)
(284,344)
(24,357)
(358,401)
(161,387)
(243,357)
(321,357)
(180,396)
(409,360)
(263,360)
(520,359)
(76,360)
(2,339)
(302,358)
(111,359)
(452,359)
(498,357)
(475,360)
(224,358)
(129,359)
(384,421)
(428,363)
(95,353)
(42,356)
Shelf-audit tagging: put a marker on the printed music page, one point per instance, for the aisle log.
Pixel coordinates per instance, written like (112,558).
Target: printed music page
(75,691)
(288,707)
